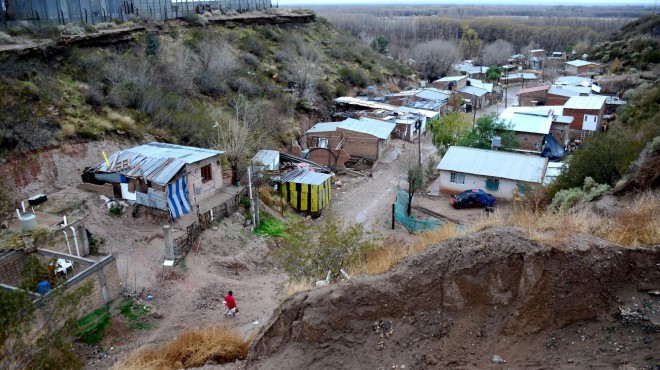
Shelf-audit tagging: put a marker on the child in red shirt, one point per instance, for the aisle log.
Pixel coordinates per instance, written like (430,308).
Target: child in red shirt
(230,302)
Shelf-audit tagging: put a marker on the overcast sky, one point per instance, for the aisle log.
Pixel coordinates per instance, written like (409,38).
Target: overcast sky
(467,2)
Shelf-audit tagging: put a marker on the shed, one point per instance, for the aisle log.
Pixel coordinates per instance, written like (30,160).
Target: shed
(499,173)
(307,191)
(267,160)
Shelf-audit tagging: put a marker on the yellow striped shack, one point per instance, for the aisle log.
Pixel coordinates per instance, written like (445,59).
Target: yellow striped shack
(307,191)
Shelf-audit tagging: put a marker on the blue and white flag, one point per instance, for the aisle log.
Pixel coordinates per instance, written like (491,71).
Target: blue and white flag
(177,198)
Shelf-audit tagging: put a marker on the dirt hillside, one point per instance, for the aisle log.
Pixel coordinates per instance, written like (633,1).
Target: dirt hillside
(494,292)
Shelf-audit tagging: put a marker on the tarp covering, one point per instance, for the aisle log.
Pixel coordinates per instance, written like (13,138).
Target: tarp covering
(552,150)
(177,198)
(411,223)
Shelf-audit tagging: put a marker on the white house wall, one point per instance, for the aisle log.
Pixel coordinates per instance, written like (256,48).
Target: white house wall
(506,189)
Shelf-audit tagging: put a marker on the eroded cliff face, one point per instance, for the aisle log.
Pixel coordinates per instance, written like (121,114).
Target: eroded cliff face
(49,170)
(458,304)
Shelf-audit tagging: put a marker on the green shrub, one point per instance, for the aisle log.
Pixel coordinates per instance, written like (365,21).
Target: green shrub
(91,327)
(566,199)
(270,226)
(115,211)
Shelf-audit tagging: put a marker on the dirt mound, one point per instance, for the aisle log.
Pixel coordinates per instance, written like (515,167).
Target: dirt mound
(494,292)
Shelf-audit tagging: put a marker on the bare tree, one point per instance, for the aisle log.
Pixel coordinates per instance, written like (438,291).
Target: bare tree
(238,133)
(411,169)
(497,53)
(434,58)
(302,72)
(217,58)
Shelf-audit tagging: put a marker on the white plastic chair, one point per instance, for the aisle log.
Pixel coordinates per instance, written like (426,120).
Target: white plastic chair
(63,266)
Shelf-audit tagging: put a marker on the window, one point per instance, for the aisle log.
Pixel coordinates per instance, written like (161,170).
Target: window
(522,188)
(206,173)
(322,142)
(492,184)
(457,178)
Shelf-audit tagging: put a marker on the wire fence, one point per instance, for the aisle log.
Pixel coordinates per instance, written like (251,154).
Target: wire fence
(96,11)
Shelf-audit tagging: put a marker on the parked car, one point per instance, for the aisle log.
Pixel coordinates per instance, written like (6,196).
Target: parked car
(472,198)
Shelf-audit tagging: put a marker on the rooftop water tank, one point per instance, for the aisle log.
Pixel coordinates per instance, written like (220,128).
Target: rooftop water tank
(28,221)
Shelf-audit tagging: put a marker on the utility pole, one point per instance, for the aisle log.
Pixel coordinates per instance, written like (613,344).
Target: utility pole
(418,126)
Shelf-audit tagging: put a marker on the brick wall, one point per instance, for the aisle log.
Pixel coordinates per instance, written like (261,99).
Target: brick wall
(527,98)
(528,141)
(333,137)
(359,144)
(552,99)
(11,263)
(578,116)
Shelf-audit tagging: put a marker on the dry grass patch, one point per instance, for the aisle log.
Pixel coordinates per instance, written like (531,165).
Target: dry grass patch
(189,349)
(393,250)
(297,286)
(637,225)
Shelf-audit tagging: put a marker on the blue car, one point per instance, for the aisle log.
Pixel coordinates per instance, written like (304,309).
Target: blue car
(472,198)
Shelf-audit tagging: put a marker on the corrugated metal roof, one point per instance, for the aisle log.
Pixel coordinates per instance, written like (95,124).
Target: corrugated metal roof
(573,80)
(496,164)
(580,89)
(156,162)
(559,90)
(324,127)
(520,75)
(364,103)
(450,79)
(405,93)
(436,95)
(564,119)
(533,89)
(585,102)
(187,154)
(581,63)
(475,91)
(308,177)
(482,85)
(428,105)
(377,128)
(532,123)
(425,112)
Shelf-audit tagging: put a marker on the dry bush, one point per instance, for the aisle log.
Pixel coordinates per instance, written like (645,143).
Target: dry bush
(296,286)
(68,130)
(393,250)
(189,349)
(635,226)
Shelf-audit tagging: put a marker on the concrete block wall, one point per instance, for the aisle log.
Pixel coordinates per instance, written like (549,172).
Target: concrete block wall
(11,263)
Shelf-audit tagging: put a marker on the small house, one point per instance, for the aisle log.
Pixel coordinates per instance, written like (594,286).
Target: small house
(365,138)
(530,125)
(533,96)
(267,160)
(580,67)
(501,174)
(307,191)
(559,95)
(451,83)
(167,177)
(587,113)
